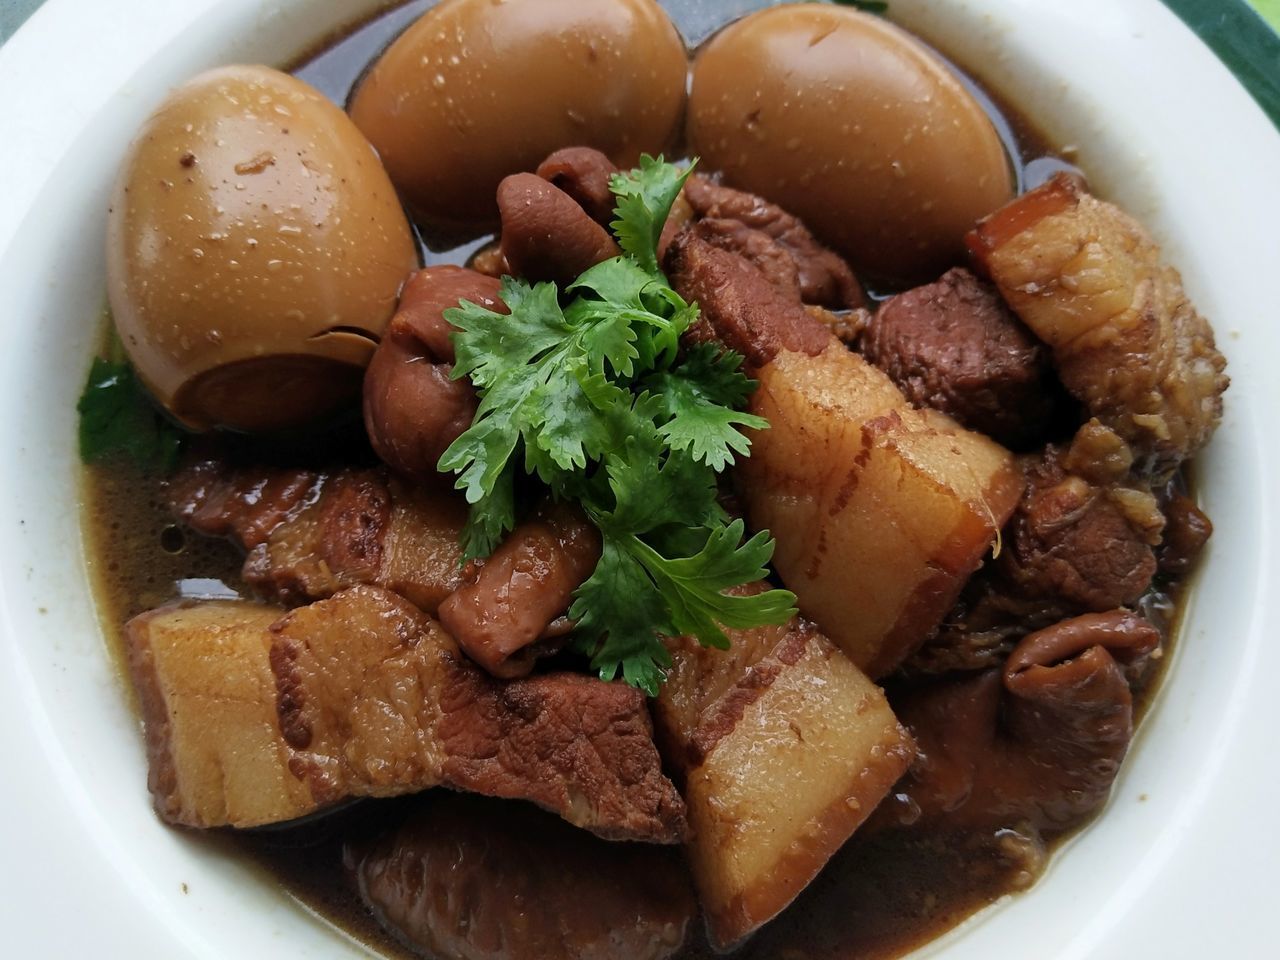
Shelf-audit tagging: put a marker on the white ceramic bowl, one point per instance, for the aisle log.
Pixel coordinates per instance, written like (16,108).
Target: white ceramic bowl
(1183,863)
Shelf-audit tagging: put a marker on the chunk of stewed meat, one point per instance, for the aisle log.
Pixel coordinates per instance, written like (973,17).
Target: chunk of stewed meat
(881,512)
(766,233)
(474,879)
(214,750)
(741,309)
(784,748)
(501,617)
(1076,542)
(413,408)
(340,529)
(1098,454)
(546,235)
(254,716)
(953,345)
(217,498)
(376,700)
(1037,742)
(1186,532)
(984,626)
(490,261)
(365,527)
(1088,280)
(849,476)
(583,173)
(767,255)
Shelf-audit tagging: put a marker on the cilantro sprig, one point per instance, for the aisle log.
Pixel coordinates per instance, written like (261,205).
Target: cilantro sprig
(119,420)
(587,389)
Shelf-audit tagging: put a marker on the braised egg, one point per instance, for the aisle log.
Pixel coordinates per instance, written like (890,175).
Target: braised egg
(476,90)
(255,251)
(854,126)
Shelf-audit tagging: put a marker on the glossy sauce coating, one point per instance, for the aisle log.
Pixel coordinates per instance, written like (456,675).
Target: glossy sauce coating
(255,251)
(855,127)
(477,89)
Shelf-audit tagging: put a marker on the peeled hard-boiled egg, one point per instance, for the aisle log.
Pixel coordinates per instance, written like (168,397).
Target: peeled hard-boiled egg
(479,89)
(856,127)
(255,251)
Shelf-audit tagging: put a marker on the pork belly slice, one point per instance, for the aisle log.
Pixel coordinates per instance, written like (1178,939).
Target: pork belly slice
(365,528)
(312,533)
(375,699)
(219,498)
(486,879)
(254,716)
(204,680)
(881,512)
(784,747)
(1088,280)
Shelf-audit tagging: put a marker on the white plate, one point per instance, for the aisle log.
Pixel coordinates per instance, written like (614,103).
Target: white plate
(1183,863)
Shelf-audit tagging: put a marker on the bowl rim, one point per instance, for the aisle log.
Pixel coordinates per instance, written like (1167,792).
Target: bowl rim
(1246,43)
(64,790)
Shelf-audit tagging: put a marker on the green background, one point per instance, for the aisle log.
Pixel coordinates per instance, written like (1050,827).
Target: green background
(1235,33)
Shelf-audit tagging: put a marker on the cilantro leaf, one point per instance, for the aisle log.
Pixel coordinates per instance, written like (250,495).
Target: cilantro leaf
(645,196)
(699,396)
(620,612)
(490,344)
(725,561)
(609,335)
(481,453)
(118,419)
(647,595)
(640,299)
(717,373)
(490,517)
(650,492)
(866,6)
(710,433)
(620,280)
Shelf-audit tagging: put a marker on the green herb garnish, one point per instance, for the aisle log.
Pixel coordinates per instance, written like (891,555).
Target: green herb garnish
(866,6)
(594,397)
(118,419)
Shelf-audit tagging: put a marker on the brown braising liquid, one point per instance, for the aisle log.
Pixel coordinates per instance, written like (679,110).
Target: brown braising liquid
(880,897)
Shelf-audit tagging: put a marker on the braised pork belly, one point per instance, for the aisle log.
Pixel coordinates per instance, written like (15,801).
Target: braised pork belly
(257,716)
(1089,281)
